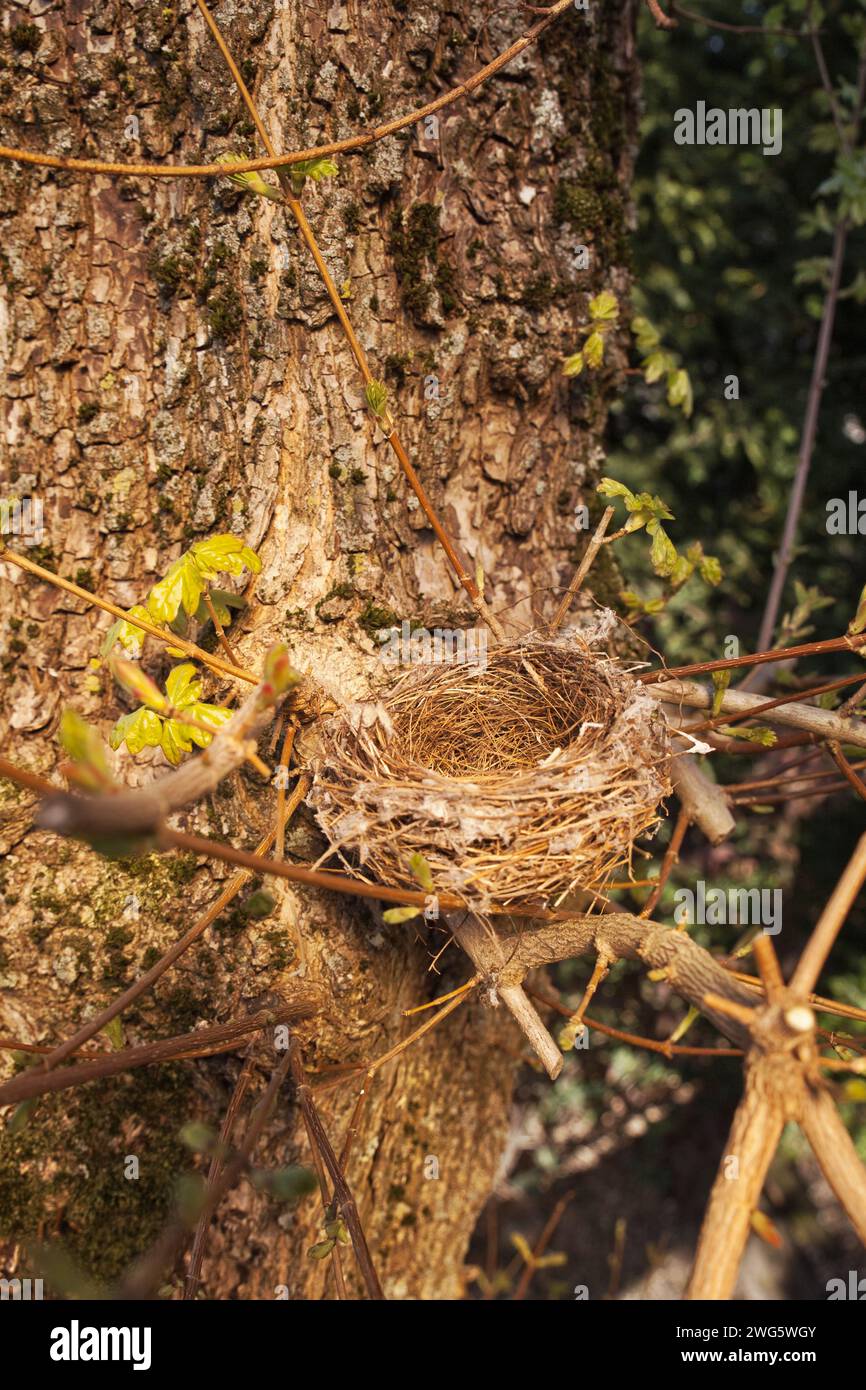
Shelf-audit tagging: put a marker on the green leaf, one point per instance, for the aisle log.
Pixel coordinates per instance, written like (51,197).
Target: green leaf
(286,1184)
(421,871)
(259,904)
(858,622)
(639,605)
(573,366)
(593,350)
(182,586)
(710,570)
(765,737)
(338,1230)
(395,915)
(646,336)
(663,552)
(604,306)
(175,740)
(141,729)
(656,365)
(113,1030)
(20,1117)
(251,181)
(213,715)
(609,487)
(190,1193)
(721,681)
(315,169)
(130,637)
(85,747)
(377,397)
(198,1137)
(224,554)
(680,391)
(182,685)
(322,1249)
(223,602)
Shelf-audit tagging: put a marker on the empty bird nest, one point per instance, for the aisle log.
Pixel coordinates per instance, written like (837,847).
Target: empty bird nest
(519,779)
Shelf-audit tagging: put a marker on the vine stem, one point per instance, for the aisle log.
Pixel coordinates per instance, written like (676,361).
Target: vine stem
(347,146)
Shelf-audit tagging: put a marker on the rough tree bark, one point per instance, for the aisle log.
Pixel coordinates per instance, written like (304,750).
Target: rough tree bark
(172,368)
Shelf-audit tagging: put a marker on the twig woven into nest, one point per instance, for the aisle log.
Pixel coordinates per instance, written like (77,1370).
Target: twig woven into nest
(518,781)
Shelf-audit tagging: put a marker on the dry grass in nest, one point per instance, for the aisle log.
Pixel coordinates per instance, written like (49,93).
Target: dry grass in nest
(514,789)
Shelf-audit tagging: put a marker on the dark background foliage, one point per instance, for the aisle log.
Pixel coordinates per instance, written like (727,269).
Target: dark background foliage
(730,265)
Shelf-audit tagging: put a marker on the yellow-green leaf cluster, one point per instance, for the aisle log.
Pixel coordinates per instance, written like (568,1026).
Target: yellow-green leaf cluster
(145,728)
(603,314)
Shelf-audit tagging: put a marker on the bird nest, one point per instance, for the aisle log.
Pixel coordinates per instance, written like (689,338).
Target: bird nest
(518,780)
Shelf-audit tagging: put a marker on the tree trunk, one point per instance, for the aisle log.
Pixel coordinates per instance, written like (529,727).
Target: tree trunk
(173,369)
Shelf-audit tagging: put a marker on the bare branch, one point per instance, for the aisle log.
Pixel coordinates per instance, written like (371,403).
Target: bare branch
(823,723)
(839,1160)
(755,1134)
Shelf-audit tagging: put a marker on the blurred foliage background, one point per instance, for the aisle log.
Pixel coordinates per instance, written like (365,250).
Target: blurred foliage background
(731,259)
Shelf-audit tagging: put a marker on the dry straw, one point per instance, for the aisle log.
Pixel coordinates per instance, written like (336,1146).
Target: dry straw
(518,780)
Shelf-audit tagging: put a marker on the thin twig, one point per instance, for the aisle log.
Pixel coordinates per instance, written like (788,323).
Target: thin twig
(217,1163)
(583,569)
(342,1193)
(829,924)
(785,552)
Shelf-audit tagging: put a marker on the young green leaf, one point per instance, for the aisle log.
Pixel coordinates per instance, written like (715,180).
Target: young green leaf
(593,350)
(182,586)
(251,181)
(139,730)
(315,169)
(113,1030)
(421,871)
(858,622)
(604,306)
(646,335)
(609,487)
(225,554)
(765,737)
(377,397)
(183,685)
(721,681)
(130,637)
(710,570)
(322,1249)
(680,390)
(394,915)
(663,552)
(286,1184)
(85,747)
(573,366)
